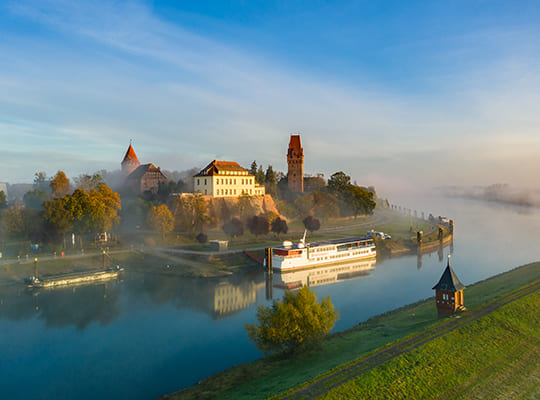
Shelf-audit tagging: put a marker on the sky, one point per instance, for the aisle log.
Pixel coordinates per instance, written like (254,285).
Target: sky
(394,93)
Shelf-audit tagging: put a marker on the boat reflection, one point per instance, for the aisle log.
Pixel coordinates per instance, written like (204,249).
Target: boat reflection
(323,275)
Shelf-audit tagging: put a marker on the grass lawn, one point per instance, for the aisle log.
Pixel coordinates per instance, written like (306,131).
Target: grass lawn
(266,377)
(495,356)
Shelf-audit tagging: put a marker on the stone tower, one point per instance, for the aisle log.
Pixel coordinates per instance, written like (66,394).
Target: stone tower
(130,161)
(449,292)
(295,161)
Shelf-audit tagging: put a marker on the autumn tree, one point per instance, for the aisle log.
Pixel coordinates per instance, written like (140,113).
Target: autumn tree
(258,225)
(21,223)
(96,210)
(293,324)
(60,185)
(279,226)
(3,200)
(161,219)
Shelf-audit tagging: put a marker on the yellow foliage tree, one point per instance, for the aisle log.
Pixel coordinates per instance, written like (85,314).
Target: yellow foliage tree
(160,219)
(60,185)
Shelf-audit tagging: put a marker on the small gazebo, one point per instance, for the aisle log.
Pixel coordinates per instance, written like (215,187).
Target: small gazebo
(449,292)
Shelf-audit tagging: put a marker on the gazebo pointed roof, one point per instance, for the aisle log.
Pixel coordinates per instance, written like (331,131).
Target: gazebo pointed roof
(130,155)
(449,281)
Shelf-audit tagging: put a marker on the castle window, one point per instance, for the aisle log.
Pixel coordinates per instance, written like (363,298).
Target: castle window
(198,183)
(205,181)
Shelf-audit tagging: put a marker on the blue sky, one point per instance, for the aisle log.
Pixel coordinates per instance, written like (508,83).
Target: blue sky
(395,93)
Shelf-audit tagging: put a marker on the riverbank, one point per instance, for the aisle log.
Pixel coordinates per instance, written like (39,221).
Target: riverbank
(201,261)
(269,376)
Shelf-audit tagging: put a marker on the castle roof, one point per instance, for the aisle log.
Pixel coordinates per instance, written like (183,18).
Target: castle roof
(141,170)
(223,168)
(449,281)
(295,145)
(130,156)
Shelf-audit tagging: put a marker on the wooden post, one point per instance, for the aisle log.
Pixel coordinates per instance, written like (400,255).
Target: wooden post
(35,268)
(419,238)
(269,260)
(103,258)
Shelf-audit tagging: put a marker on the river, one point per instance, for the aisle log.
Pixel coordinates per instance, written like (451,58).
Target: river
(151,334)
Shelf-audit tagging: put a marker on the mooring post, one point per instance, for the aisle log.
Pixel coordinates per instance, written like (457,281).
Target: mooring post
(103,258)
(35,268)
(419,238)
(269,261)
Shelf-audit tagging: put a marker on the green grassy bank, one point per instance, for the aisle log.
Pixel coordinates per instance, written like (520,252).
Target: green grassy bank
(269,376)
(493,357)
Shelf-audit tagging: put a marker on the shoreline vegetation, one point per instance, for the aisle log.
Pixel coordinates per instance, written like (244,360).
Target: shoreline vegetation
(267,377)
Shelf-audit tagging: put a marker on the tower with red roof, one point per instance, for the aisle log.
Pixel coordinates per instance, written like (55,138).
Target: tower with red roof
(295,162)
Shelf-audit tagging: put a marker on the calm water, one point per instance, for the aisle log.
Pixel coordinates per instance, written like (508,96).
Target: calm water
(153,334)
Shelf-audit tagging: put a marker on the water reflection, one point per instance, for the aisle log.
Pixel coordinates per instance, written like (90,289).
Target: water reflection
(217,297)
(78,306)
(321,275)
(82,305)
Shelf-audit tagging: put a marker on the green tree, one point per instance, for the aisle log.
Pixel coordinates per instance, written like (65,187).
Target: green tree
(60,185)
(339,182)
(325,205)
(360,200)
(253,168)
(3,200)
(312,224)
(294,324)
(260,176)
(271,182)
(40,181)
(34,198)
(160,219)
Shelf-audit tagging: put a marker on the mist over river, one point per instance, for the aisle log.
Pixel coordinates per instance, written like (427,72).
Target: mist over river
(151,334)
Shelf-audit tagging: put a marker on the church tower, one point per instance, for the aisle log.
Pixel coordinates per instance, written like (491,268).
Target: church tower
(130,161)
(295,161)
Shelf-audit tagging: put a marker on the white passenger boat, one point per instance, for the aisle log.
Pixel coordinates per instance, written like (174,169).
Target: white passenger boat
(308,255)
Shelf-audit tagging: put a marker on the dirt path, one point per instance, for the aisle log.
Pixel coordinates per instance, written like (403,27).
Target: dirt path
(338,378)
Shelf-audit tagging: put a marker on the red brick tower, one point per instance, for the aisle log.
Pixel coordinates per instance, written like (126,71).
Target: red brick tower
(449,292)
(130,161)
(295,161)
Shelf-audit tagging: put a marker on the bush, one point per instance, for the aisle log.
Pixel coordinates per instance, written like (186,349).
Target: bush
(294,324)
(201,238)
